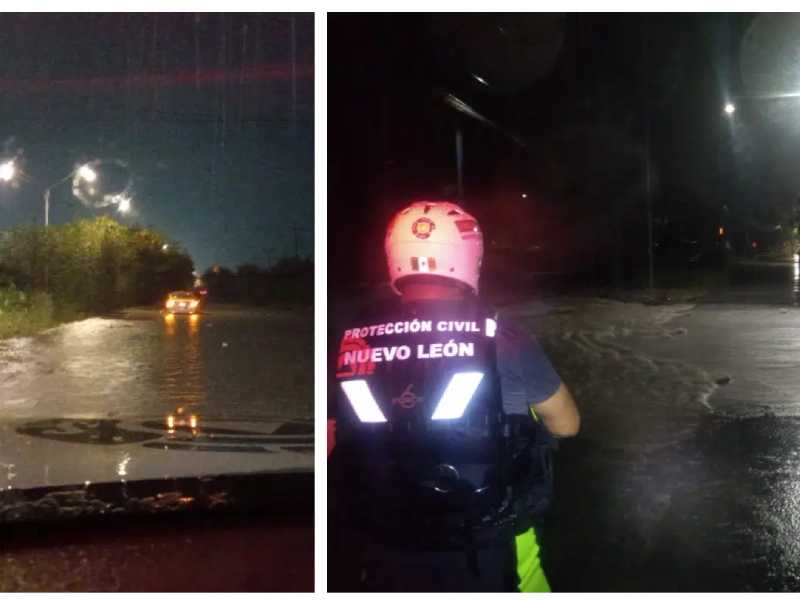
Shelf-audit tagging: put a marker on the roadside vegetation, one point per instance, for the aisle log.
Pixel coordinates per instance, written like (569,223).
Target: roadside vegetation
(85,267)
(287,284)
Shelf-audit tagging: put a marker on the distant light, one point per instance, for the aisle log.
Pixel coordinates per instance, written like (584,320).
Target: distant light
(124,205)
(754,244)
(7,171)
(524,195)
(480,79)
(165,247)
(721,231)
(730,109)
(87,173)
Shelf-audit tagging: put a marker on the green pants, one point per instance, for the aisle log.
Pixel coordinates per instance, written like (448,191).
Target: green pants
(369,564)
(529,568)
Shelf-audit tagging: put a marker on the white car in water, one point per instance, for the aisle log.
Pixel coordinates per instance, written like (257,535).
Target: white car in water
(187,303)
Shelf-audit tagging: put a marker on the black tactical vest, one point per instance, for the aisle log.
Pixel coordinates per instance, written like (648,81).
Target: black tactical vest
(421,434)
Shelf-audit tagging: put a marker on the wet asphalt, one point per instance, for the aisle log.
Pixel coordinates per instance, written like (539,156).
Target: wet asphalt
(719,509)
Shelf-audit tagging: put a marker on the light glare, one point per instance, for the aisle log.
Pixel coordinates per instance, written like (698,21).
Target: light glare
(87,173)
(7,171)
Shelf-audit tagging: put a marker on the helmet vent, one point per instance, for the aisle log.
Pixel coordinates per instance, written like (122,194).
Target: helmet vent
(427,208)
(454,213)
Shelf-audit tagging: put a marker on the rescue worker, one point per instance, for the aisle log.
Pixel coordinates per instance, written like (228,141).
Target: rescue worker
(443,421)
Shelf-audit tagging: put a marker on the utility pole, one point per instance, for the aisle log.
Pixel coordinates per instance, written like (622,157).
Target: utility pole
(460,163)
(648,158)
(294,72)
(295,229)
(47,247)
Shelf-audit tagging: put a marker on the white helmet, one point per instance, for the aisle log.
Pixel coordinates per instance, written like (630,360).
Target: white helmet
(434,238)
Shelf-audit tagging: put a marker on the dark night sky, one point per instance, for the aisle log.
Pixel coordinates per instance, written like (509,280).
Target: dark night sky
(200,108)
(574,91)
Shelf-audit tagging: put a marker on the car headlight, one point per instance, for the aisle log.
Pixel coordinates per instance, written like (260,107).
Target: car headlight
(170,303)
(194,303)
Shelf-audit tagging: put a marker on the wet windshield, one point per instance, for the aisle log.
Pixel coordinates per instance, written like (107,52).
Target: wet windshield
(156,274)
(636,184)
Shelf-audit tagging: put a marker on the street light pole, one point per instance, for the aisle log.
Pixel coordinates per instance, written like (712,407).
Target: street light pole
(87,170)
(84,171)
(648,160)
(46,225)
(460,164)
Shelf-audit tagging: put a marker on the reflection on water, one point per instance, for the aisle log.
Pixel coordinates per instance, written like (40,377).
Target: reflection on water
(183,376)
(235,364)
(122,466)
(233,367)
(180,420)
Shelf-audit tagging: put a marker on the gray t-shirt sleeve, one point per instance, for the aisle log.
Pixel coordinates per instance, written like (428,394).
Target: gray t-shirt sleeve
(526,375)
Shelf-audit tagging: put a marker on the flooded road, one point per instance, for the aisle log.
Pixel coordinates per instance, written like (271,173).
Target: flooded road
(686,474)
(226,391)
(227,362)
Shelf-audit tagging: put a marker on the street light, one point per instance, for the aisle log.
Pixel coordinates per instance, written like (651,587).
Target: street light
(88,173)
(124,205)
(7,171)
(729,109)
(85,172)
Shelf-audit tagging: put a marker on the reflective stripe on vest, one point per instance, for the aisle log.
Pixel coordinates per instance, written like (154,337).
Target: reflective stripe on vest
(491,327)
(453,403)
(457,395)
(362,401)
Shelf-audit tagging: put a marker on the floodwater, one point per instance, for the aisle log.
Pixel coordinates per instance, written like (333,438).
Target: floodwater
(227,362)
(139,396)
(697,496)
